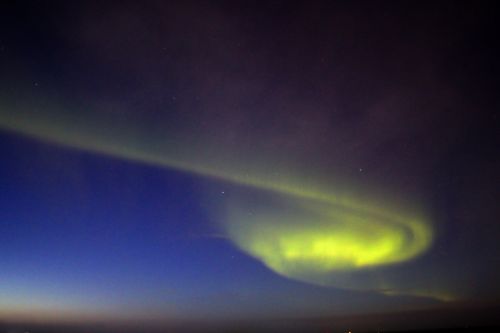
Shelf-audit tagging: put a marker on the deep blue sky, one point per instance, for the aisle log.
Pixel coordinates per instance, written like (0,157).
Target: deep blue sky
(89,231)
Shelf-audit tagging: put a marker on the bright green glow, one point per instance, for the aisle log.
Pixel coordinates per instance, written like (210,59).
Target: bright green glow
(329,232)
(311,243)
(329,249)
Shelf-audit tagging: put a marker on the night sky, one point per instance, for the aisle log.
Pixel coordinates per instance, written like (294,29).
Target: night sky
(177,163)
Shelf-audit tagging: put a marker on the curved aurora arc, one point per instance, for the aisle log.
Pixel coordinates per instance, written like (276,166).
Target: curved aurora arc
(308,233)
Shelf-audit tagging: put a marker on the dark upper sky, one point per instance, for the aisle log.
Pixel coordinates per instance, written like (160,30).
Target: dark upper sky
(237,160)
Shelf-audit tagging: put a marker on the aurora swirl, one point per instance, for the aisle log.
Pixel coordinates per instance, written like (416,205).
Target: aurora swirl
(310,235)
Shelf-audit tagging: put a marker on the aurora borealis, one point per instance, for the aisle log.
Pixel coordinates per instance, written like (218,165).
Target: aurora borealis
(328,232)
(222,161)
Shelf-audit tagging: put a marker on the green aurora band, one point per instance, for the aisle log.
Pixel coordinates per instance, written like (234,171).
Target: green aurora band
(310,233)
